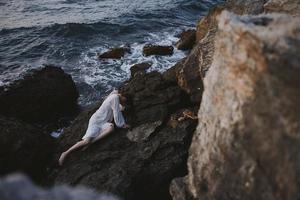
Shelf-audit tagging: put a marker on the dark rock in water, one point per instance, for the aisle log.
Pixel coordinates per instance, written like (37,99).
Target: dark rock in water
(140,68)
(19,187)
(133,170)
(24,148)
(149,50)
(115,53)
(42,96)
(187,40)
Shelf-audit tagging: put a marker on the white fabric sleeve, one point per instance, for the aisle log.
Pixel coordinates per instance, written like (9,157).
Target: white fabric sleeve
(118,116)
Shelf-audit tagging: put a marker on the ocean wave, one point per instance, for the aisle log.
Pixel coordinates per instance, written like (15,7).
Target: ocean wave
(71,33)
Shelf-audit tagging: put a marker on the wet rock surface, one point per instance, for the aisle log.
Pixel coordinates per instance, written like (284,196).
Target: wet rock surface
(43,96)
(115,53)
(149,50)
(246,144)
(24,148)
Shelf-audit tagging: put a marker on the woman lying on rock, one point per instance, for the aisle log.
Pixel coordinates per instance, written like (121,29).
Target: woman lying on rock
(100,124)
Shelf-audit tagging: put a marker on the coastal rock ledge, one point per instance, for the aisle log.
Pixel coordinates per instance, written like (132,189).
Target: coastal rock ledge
(247,142)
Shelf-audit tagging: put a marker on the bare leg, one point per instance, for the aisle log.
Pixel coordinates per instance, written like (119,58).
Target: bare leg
(105,133)
(78,145)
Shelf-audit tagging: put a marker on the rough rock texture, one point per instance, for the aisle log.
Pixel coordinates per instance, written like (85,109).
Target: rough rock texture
(18,187)
(115,53)
(179,189)
(133,170)
(247,142)
(149,50)
(291,7)
(143,132)
(191,71)
(139,68)
(153,98)
(23,148)
(242,7)
(42,96)
(187,40)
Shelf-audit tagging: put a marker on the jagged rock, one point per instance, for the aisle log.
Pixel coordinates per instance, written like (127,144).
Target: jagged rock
(114,53)
(139,68)
(149,50)
(42,96)
(133,170)
(291,7)
(247,142)
(170,74)
(142,132)
(191,71)
(19,187)
(187,40)
(24,148)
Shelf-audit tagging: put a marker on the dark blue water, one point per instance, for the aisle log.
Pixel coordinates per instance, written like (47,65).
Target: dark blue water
(70,33)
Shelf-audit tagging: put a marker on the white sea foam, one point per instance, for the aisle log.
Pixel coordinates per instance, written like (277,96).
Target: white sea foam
(108,73)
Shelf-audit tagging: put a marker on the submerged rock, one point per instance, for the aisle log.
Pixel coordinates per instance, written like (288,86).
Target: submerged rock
(24,148)
(115,53)
(187,40)
(19,187)
(149,50)
(247,142)
(42,96)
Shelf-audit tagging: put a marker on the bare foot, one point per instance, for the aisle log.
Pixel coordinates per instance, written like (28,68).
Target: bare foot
(62,159)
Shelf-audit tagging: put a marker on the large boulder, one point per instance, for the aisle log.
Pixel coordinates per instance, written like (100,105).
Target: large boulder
(291,7)
(42,96)
(24,148)
(19,187)
(247,142)
(191,71)
(149,50)
(153,98)
(141,168)
(115,53)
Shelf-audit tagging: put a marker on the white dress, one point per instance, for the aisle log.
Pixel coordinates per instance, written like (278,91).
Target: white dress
(110,110)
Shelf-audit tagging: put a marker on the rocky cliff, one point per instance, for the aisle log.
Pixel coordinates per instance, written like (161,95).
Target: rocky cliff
(244,73)
(247,145)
